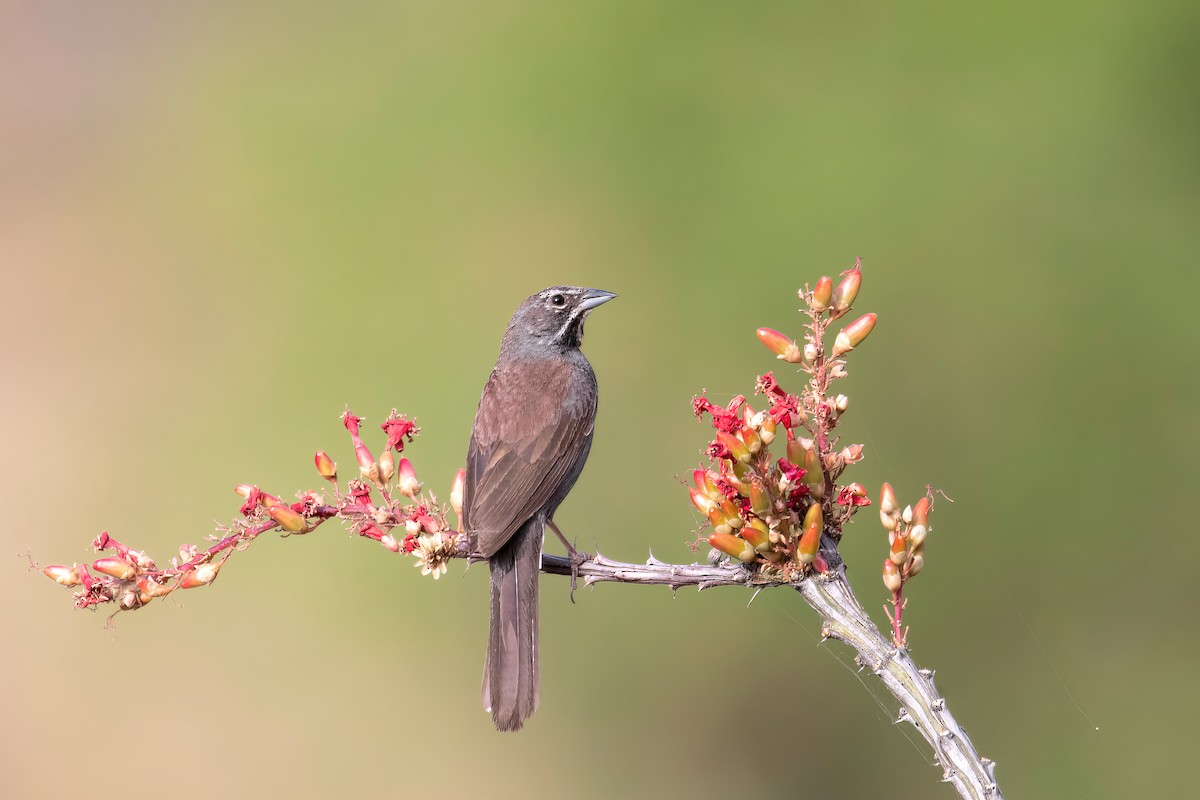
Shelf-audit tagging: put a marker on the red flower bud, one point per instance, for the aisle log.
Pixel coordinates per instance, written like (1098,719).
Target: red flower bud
(847,290)
(760,501)
(899,547)
(810,540)
(67,576)
(201,575)
(735,446)
(115,567)
(289,520)
(152,588)
(734,546)
(325,466)
(784,348)
(387,466)
(920,514)
(757,534)
(891,576)
(822,294)
(407,481)
(458,492)
(853,334)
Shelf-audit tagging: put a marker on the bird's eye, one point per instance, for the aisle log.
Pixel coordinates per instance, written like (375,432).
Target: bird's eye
(558,300)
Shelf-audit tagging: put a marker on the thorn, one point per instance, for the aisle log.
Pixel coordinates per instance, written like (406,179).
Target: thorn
(948,776)
(926,673)
(903,716)
(939,704)
(756,593)
(654,562)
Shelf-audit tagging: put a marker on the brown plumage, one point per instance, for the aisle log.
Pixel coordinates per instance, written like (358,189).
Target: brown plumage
(531,437)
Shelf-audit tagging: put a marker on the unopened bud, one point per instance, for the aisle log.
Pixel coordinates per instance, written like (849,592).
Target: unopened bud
(907,515)
(201,575)
(736,447)
(407,481)
(115,567)
(812,462)
(916,562)
(753,443)
(916,536)
(289,520)
(734,546)
(756,532)
(766,430)
(458,491)
(326,468)
(887,500)
(822,294)
(810,540)
(847,290)
(853,334)
(389,541)
(387,466)
(760,501)
(899,548)
(67,576)
(152,588)
(841,403)
(732,514)
(920,514)
(784,348)
(810,352)
(891,576)
(701,501)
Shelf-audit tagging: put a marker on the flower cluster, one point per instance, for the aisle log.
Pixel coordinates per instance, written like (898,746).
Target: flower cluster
(774,511)
(384,503)
(907,529)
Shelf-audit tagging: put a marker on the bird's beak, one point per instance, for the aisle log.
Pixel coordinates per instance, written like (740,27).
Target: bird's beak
(595,297)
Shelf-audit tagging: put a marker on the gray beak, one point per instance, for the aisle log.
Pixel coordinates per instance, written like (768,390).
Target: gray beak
(594,297)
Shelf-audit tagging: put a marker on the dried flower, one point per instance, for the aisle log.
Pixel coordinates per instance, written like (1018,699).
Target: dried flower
(433,553)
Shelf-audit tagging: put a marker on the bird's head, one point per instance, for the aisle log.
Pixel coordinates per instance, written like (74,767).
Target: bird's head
(554,317)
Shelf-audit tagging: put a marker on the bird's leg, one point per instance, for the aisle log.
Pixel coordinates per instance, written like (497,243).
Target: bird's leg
(574,555)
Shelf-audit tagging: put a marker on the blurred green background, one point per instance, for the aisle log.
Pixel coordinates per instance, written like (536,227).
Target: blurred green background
(220,223)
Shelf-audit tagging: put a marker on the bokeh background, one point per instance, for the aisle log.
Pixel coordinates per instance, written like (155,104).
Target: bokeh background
(220,223)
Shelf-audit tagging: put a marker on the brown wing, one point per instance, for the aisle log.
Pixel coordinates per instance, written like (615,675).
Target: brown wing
(530,434)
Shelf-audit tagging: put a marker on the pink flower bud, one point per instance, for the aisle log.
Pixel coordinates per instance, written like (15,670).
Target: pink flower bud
(152,588)
(389,541)
(458,492)
(289,520)
(115,567)
(757,534)
(916,562)
(891,576)
(887,500)
(822,294)
(810,540)
(784,348)
(387,466)
(899,547)
(407,481)
(920,514)
(325,466)
(853,334)
(67,576)
(736,447)
(201,575)
(847,290)
(733,546)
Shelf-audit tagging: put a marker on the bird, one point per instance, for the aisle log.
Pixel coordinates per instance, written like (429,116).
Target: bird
(531,437)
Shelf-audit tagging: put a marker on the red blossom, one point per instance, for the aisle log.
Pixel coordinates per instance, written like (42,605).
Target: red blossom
(360,493)
(351,422)
(725,486)
(853,495)
(410,543)
(371,531)
(398,428)
(766,384)
(717,451)
(700,405)
(252,500)
(793,473)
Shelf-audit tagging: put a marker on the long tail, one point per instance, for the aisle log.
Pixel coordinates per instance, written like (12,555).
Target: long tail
(510,675)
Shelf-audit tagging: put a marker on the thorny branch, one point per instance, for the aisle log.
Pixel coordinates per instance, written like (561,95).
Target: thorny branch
(774,522)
